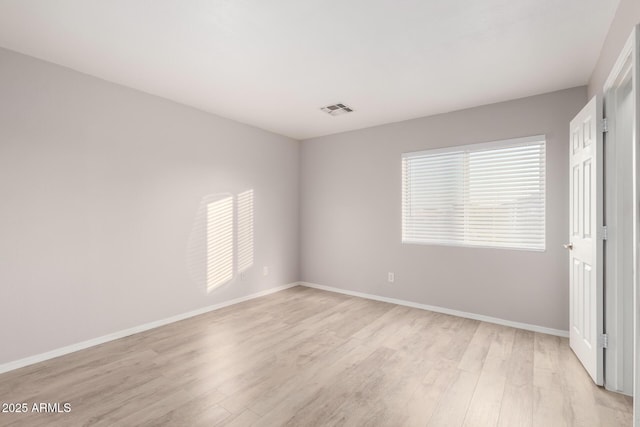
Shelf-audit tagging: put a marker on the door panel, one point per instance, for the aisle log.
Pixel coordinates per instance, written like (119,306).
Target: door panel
(585,244)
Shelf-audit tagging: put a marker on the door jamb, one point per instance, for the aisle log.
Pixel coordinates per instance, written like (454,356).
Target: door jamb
(624,66)
(631,48)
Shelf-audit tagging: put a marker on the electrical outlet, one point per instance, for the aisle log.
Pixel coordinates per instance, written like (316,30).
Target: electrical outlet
(392,277)
(265,271)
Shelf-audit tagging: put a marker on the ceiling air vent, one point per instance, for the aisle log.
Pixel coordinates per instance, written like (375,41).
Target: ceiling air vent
(337,109)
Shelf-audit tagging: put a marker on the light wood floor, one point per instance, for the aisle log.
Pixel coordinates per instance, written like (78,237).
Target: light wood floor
(304,357)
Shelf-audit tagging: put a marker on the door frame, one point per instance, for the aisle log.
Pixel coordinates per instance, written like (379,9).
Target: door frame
(616,309)
(630,51)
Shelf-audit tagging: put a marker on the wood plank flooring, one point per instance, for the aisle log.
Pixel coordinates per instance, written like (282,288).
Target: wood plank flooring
(304,357)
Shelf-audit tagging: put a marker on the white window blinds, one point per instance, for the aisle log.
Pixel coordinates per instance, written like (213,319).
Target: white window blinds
(490,195)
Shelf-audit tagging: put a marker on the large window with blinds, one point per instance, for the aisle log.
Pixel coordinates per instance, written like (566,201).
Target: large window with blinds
(482,195)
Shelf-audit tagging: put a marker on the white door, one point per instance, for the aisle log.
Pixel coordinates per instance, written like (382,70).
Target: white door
(585,244)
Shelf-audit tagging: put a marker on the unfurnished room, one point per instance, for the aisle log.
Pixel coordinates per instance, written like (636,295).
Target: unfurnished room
(309,213)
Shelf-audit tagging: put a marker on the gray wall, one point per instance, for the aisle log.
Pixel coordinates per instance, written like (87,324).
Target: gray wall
(350,215)
(626,17)
(99,188)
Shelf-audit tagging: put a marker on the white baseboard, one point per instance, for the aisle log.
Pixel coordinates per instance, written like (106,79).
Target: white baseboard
(10,366)
(525,326)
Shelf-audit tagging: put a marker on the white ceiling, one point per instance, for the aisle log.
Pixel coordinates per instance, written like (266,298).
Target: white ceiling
(273,64)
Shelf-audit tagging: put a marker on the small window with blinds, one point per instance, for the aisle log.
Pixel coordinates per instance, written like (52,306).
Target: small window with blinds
(483,195)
